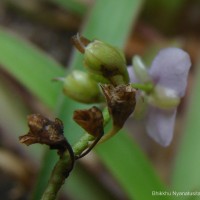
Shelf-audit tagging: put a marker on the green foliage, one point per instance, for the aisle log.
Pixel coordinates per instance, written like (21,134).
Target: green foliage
(186,176)
(129,165)
(110,21)
(36,70)
(30,67)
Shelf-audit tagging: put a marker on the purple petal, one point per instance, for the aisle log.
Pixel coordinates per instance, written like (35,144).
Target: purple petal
(160,125)
(170,69)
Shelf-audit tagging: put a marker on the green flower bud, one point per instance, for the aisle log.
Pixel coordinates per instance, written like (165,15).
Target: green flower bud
(164,98)
(81,87)
(103,59)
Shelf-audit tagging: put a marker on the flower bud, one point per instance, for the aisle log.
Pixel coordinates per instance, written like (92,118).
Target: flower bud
(164,98)
(140,70)
(81,87)
(104,59)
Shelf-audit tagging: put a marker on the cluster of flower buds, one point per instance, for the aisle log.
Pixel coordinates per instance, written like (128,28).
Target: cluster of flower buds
(106,67)
(104,64)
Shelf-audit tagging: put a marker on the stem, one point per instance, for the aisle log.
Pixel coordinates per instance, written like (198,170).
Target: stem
(63,167)
(117,80)
(60,173)
(110,134)
(65,164)
(82,144)
(147,87)
(106,117)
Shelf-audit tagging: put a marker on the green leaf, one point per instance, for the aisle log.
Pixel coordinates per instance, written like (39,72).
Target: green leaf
(186,173)
(130,167)
(34,69)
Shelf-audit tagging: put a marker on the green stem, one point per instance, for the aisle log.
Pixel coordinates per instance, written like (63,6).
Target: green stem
(59,174)
(117,80)
(63,167)
(147,87)
(110,134)
(106,117)
(82,144)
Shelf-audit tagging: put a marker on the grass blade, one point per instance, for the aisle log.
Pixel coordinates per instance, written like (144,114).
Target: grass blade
(34,69)
(186,174)
(129,165)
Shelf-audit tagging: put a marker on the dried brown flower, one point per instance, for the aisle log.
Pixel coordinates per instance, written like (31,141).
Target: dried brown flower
(121,102)
(90,120)
(44,131)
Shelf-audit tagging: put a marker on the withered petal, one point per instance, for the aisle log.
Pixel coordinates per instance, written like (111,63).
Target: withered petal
(121,102)
(90,120)
(44,131)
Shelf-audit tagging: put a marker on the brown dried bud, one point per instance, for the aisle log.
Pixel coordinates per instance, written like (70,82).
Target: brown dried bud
(121,102)
(80,42)
(44,131)
(90,120)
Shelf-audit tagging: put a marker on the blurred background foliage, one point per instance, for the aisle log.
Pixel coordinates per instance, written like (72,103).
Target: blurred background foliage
(35,47)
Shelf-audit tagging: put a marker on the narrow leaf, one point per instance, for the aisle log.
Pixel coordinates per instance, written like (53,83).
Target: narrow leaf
(130,167)
(33,68)
(186,173)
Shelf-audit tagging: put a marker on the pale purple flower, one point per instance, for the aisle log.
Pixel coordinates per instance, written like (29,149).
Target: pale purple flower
(168,74)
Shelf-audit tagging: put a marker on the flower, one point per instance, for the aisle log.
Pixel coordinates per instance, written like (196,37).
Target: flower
(45,131)
(167,78)
(91,120)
